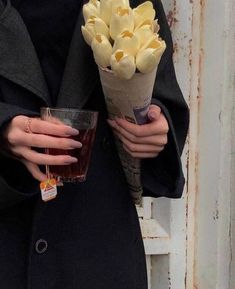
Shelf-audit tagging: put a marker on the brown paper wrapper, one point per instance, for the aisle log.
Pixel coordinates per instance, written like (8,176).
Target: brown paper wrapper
(130,100)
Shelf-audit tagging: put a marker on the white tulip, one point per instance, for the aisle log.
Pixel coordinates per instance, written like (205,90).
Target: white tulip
(108,6)
(143,34)
(106,10)
(123,64)
(102,50)
(144,11)
(156,26)
(128,42)
(120,3)
(122,19)
(93,26)
(146,23)
(150,55)
(92,8)
(144,31)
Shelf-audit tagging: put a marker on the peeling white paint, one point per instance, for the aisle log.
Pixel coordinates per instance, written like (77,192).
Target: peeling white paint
(189,242)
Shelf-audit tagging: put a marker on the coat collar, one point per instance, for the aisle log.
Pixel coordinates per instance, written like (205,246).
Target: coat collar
(18,59)
(19,62)
(81,73)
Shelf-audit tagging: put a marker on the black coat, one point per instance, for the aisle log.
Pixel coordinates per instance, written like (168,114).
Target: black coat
(89,236)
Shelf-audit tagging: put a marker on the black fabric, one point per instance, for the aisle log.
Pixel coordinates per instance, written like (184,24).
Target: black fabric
(91,229)
(166,91)
(166,88)
(50,25)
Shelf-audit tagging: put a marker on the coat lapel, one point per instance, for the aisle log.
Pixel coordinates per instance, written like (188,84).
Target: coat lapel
(81,73)
(19,62)
(18,59)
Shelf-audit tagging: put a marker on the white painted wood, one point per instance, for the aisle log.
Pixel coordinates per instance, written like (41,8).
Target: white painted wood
(195,74)
(152,229)
(149,270)
(212,258)
(232,174)
(147,208)
(189,242)
(160,272)
(163,221)
(232,224)
(157,246)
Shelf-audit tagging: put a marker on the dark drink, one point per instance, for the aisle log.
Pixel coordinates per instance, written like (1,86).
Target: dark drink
(83,120)
(76,171)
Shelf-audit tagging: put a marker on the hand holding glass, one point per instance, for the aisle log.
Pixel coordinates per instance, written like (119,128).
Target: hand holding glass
(85,122)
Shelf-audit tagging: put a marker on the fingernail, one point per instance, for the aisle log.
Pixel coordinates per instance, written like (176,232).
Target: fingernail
(152,115)
(76,144)
(72,131)
(71,160)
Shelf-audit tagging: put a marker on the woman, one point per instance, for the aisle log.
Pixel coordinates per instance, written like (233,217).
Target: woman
(89,236)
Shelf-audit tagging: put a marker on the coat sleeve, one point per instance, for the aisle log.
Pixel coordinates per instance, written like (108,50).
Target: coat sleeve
(163,176)
(16,184)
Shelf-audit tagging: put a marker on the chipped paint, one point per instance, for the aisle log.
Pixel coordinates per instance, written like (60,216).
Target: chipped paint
(196,66)
(168,235)
(172,15)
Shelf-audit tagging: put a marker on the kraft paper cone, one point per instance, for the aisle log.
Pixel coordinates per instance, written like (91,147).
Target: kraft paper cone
(128,99)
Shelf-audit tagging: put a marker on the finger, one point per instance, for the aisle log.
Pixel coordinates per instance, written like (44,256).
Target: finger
(45,141)
(140,155)
(46,127)
(154,112)
(150,140)
(35,171)
(37,125)
(45,159)
(156,127)
(133,147)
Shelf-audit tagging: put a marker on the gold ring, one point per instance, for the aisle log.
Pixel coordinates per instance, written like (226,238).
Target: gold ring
(28,125)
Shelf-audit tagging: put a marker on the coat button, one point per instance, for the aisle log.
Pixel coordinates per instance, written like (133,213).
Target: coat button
(106,143)
(41,246)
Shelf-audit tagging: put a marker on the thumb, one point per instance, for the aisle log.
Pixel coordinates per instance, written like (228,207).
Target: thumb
(154,112)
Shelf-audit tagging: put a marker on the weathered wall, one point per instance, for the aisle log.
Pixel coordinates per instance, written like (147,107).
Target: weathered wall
(194,241)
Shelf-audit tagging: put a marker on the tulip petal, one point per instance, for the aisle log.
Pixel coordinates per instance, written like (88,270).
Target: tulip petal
(93,26)
(128,42)
(144,33)
(143,12)
(87,35)
(147,59)
(91,9)
(121,19)
(156,26)
(102,50)
(106,10)
(120,3)
(123,64)
(101,27)
(107,7)
(146,23)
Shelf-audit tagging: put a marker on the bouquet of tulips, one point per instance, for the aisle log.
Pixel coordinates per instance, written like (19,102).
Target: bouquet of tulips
(127,49)
(123,39)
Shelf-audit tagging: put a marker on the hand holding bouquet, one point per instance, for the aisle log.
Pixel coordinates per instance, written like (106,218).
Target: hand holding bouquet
(127,49)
